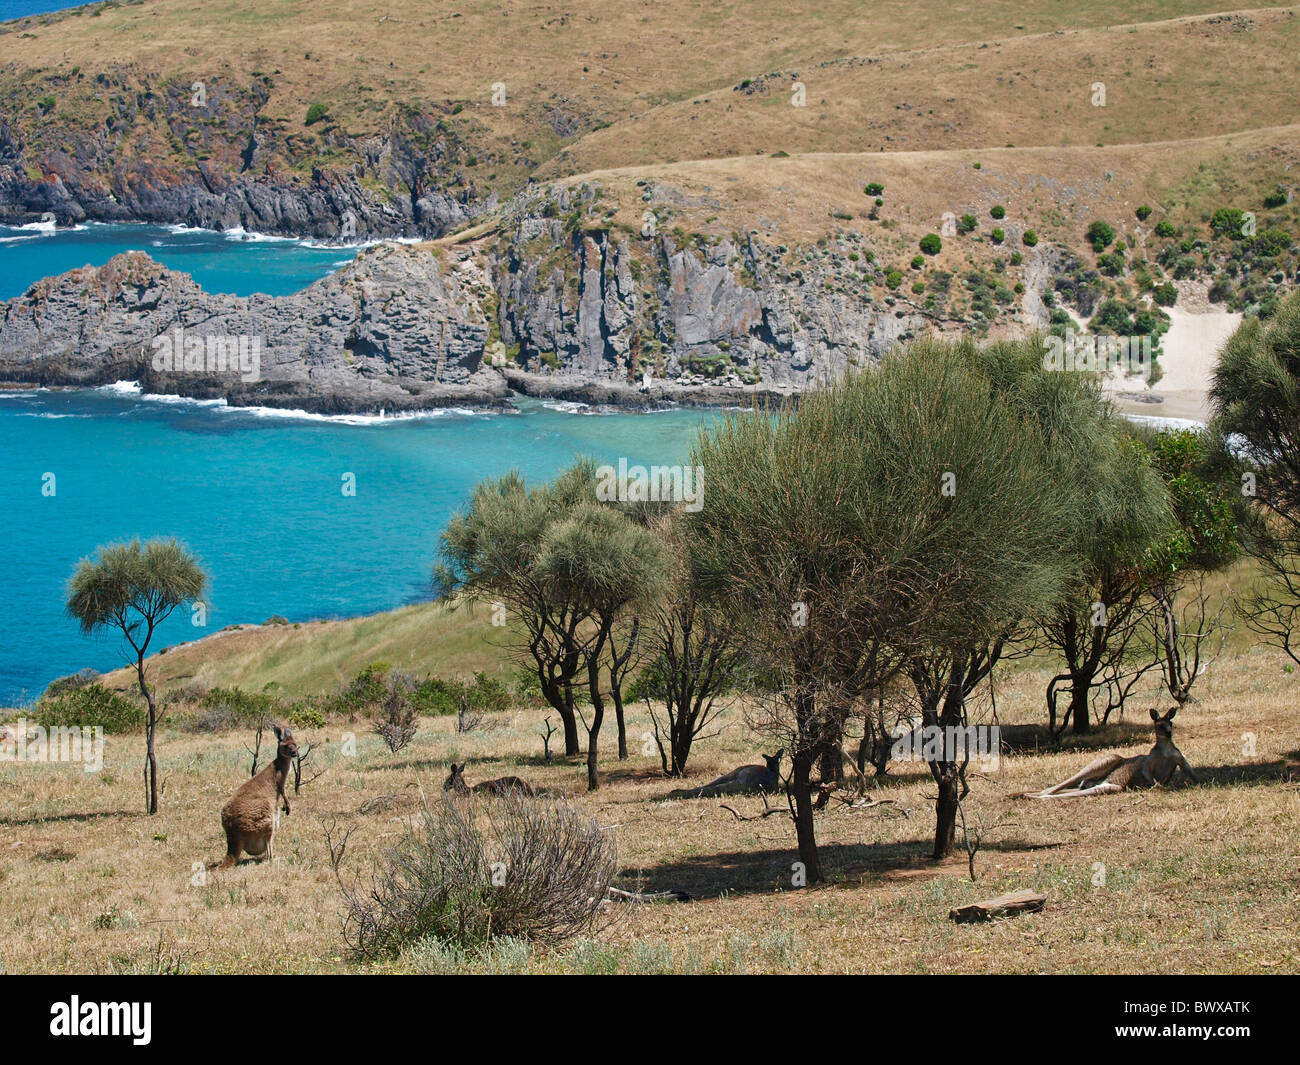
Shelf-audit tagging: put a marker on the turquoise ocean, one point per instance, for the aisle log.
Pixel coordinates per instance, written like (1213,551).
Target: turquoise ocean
(256,494)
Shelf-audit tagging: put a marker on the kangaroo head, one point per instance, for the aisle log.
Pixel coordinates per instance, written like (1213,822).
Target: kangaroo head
(455,779)
(1164,725)
(774,761)
(287,747)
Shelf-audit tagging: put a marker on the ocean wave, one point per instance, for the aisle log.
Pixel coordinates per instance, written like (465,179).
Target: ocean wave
(133,390)
(49,414)
(347,419)
(1160,422)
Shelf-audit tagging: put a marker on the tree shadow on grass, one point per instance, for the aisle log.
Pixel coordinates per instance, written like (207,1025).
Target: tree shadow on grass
(1251,775)
(98,815)
(1037,739)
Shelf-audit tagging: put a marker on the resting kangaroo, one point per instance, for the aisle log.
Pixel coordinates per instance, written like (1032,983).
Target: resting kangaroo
(251,817)
(746,778)
(501,786)
(1114,772)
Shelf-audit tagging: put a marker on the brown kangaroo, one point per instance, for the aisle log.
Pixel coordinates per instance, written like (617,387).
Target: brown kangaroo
(1114,772)
(501,786)
(252,815)
(746,778)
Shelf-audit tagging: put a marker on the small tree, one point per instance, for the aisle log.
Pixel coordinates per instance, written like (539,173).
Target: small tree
(696,659)
(604,562)
(133,588)
(490,553)
(1124,518)
(899,510)
(1256,396)
(1196,469)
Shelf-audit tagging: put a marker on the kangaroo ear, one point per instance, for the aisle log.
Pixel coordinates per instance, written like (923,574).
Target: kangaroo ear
(1155,715)
(1172,711)
(276,730)
(778,754)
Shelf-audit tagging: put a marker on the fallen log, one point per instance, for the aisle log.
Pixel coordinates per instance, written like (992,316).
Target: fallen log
(1008,905)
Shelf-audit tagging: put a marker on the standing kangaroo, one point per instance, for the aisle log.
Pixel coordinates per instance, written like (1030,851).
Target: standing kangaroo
(252,815)
(1114,772)
(746,778)
(501,786)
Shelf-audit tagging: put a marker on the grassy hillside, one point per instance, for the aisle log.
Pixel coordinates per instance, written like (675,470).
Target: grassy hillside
(590,86)
(314,658)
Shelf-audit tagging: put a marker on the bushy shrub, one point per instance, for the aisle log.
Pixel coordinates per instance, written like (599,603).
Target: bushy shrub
(998,211)
(236,708)
(931,244)
(554,866)
(72,682)
(1143,213)
(1030,238)
(1100,235)
(967,223)
(1165,295)
(1272,242)
(1111,264)
(365,690)
(894,278)
(1165,228)
(1276,198)
(918,261)
(305,714)
(91,705)
(483,694)
(396,721)
(998,235)
(316,112)
(874,188)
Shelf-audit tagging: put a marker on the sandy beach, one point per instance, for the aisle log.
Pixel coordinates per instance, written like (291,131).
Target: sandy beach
(1189,352)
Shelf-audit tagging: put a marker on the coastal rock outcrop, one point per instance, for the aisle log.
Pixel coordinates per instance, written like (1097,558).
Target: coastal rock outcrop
(544,302)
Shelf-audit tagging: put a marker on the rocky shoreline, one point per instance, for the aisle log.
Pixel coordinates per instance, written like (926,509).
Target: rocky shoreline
(537,306)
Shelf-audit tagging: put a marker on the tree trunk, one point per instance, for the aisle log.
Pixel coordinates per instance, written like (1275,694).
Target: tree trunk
(945,809)
(597,716)
(1080,723)
(150,732)
(801,786)
(560,699)
(617,696)
(832,765)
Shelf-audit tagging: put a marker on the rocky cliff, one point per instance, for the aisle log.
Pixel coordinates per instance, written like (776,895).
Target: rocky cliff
(553,301)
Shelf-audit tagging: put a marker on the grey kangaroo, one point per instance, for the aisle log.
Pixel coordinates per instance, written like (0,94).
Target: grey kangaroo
(746,778)
(252,816)
(1114,772)
(502,785)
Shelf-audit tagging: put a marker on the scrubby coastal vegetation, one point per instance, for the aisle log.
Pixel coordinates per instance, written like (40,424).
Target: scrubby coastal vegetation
(1060,572)
(930,656)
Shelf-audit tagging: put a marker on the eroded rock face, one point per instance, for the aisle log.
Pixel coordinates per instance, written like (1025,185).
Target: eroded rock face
(237,168)
(564,311)
(388,331)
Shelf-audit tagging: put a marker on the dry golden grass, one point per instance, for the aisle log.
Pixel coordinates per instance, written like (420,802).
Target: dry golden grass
(1198,878)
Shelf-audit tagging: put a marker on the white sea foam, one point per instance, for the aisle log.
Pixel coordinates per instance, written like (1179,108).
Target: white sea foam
(1158,422)
(347,419)
(133,390)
